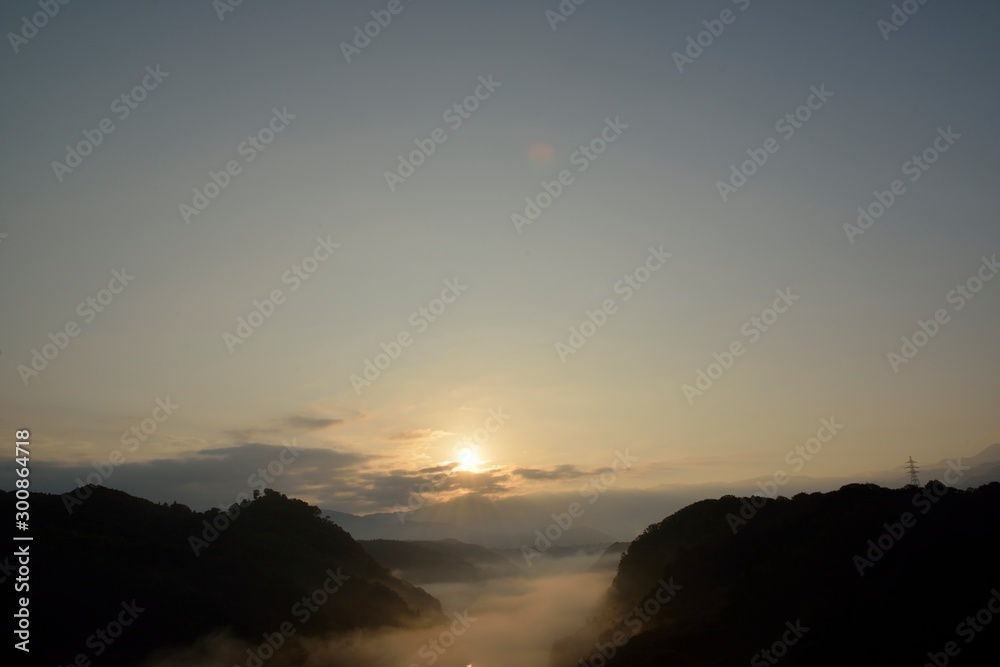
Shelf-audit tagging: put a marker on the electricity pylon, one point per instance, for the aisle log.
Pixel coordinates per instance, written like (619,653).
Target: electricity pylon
(911,465)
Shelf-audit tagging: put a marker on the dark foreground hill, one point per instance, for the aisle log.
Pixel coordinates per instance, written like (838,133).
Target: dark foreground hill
(118,559)
(860,576)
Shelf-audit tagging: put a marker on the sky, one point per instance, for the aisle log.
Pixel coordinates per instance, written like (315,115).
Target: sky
(523,348)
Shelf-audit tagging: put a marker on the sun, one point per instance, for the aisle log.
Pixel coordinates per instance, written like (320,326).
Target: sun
(468,458)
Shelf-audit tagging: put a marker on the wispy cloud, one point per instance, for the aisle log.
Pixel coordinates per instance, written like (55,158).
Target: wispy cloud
(310,423)
(565,471)
(418,434)
(288,426)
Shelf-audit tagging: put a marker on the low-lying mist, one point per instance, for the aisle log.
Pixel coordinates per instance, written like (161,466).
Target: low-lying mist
(496,623)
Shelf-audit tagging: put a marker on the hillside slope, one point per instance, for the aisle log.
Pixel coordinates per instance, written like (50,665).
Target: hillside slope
(878,576)
(115,548)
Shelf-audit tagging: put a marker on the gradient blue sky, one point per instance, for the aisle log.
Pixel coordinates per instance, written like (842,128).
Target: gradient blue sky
(495,346)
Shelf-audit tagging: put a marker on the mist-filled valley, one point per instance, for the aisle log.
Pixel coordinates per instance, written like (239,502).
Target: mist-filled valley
(482,333)
(273,581)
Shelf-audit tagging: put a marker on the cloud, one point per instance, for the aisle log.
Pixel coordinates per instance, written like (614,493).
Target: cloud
(438,469)
(565,471)
(310,423)
(286,426)
(486,483)
(418,434)
(212,476)
(331,477)
(387,489)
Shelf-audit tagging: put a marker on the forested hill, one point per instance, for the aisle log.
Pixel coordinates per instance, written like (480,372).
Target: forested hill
(877,576)
(118,557)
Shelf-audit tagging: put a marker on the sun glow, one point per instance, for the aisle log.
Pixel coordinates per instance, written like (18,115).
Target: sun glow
(468,459)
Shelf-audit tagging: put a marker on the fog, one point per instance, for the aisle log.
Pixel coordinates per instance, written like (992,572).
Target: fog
(497,623)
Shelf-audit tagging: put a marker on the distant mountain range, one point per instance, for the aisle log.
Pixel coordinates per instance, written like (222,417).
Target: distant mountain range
(983,468)
(505,523)
(424,562)
(451,561)
(617,515)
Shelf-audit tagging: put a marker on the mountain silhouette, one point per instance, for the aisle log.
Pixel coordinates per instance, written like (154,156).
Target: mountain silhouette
(440,560)
(114,549)
(878,576)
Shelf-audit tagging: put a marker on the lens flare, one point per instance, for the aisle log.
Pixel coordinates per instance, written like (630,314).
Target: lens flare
(541,153)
